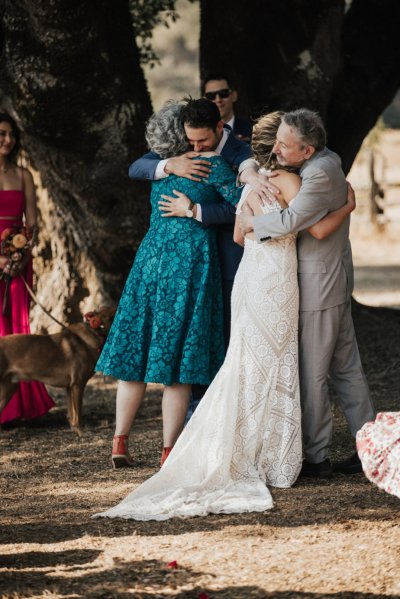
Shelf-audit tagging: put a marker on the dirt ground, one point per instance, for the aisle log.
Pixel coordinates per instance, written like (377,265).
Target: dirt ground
(334,539)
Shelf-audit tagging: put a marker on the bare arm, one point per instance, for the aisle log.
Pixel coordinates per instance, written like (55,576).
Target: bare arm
(30,221)
(238,236)
(250,208)
(260,182)
(288,186)
(332,221)
(30,199)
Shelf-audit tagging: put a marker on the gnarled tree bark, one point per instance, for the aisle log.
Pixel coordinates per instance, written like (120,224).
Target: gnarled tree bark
(338,58)
(72,76)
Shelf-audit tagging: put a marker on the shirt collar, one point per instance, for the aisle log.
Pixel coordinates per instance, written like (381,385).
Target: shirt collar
(231,122)
(224,138)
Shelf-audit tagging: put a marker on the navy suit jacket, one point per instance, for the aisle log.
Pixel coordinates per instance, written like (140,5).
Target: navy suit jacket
(242,127)
(221,214)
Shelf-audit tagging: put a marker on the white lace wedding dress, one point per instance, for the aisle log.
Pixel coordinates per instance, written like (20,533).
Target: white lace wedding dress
(245,433)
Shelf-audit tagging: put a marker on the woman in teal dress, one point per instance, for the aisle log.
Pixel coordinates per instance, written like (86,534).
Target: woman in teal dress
(168,326)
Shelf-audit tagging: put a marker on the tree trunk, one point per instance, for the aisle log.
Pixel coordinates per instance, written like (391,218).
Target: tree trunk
(72,76)
(369,74)
(286,54)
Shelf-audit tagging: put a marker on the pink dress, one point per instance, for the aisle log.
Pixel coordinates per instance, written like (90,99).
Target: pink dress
(378,446)
(31,399)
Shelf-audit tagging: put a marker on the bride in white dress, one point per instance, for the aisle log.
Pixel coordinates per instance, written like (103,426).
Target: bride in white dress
(246,432)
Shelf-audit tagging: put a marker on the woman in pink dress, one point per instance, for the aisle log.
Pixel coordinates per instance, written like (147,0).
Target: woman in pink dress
(17,208)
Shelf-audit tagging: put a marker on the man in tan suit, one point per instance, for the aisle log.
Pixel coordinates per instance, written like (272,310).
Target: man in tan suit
(328,345)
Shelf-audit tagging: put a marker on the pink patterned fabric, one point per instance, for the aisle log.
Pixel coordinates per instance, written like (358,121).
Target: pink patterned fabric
(378,445)
(31,399)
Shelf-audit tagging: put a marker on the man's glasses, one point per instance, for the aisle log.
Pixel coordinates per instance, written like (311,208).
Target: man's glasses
(222,93)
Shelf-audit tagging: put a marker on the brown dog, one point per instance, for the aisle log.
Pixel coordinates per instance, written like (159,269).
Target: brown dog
(66,359)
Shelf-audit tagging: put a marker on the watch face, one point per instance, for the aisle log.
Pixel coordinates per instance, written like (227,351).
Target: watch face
(189,213)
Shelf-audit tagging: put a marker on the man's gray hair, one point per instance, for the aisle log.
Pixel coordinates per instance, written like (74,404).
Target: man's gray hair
(165,134)
(308,125)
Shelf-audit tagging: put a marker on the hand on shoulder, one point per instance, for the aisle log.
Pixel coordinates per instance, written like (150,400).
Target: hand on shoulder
(188,166)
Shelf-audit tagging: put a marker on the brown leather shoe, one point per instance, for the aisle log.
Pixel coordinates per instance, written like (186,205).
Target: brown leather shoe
(120,456)
(165,453)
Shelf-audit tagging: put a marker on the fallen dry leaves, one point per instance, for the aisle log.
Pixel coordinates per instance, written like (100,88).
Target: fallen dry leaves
(336,539)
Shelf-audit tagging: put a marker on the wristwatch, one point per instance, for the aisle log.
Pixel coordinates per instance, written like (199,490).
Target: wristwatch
(189,211)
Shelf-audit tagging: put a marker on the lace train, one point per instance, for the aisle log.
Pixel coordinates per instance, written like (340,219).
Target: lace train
(246,432)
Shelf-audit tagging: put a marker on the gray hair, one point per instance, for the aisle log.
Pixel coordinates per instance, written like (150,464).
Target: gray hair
(165,133)
(308,125)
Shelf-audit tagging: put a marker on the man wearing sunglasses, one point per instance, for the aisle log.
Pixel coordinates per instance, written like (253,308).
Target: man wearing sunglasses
(218,89)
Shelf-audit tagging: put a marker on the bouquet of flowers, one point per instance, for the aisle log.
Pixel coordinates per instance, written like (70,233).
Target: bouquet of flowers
(15,243)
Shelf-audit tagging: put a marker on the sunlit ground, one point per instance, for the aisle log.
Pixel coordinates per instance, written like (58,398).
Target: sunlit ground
(376,247)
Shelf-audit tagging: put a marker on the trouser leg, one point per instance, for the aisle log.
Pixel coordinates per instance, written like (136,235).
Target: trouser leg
(317,337)
(348,375)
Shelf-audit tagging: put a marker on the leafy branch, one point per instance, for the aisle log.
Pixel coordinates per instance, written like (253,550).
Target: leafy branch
(146,15)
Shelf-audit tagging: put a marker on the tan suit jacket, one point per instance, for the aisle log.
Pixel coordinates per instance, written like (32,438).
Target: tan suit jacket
(325,266)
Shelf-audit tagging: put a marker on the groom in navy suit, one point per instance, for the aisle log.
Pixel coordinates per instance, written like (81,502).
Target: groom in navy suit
(205,132)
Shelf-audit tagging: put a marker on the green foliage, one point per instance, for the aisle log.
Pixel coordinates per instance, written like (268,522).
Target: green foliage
(146,14)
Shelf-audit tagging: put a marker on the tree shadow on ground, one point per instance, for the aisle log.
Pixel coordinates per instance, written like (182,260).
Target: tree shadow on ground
(144,579)
(45,559)
(309,503)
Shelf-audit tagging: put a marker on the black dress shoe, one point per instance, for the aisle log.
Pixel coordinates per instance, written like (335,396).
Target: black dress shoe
(350,466)
(320,470)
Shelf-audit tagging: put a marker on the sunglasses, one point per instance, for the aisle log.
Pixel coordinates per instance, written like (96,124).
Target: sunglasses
(222,93)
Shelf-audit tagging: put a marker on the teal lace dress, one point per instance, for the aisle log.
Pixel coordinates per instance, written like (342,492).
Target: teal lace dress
(168,326)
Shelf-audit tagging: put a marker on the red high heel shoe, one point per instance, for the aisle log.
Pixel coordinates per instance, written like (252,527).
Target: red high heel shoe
(165,453)
(120,456)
